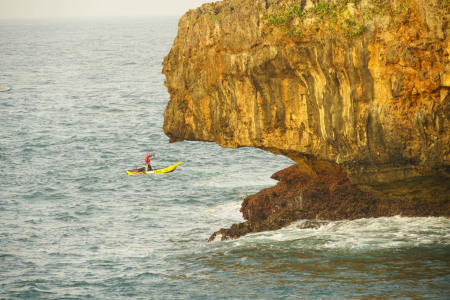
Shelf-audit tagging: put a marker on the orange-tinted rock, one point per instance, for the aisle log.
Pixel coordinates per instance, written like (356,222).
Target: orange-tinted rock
(377,105)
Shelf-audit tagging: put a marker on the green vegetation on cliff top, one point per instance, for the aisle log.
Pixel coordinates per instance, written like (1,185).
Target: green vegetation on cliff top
(348,17)
(444,4)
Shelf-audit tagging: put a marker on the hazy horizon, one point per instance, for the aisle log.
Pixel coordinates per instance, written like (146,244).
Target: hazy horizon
(62,9)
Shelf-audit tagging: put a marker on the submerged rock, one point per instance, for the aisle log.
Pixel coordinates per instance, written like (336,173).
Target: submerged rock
(311,224)
(365,114)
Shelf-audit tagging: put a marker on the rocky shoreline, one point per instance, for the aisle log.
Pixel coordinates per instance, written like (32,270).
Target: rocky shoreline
(316,191)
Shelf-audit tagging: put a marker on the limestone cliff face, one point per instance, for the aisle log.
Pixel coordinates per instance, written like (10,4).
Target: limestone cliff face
(377,104)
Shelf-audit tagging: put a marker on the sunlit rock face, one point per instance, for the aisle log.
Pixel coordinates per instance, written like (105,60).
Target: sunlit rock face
(376,104)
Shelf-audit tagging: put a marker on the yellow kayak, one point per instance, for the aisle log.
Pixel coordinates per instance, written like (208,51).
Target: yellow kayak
(141,171)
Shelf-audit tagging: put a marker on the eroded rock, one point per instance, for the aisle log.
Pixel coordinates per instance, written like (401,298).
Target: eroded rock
(375,106)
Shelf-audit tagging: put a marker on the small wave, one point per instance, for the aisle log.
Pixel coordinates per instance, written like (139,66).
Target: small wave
(4,257)
(128,63)
(226,211)
(67,218)
(33,195)
(97,107)
(148,274)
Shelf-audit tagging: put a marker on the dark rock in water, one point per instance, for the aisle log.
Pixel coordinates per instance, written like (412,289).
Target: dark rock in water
(316,191)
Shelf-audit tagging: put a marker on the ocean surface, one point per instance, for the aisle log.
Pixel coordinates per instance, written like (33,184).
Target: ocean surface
(87,104)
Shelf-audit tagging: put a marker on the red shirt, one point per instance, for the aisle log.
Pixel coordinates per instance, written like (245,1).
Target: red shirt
(147,159)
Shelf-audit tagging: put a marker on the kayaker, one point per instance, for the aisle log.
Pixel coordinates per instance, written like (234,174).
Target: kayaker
(147,163)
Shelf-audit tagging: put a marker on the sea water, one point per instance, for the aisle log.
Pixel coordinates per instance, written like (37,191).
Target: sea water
(87,104)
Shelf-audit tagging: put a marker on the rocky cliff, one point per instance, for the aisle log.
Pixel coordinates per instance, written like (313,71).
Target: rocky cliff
(356,92)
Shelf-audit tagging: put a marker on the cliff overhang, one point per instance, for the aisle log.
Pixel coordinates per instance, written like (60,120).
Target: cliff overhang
(357,93)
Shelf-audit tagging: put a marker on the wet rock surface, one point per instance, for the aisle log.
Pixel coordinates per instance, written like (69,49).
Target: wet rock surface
(316,190)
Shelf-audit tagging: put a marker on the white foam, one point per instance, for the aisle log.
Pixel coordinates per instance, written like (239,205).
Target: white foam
(226,211)
(389,232)
(217,238)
